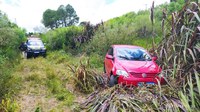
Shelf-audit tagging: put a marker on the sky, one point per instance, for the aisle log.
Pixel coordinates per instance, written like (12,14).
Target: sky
(28,13)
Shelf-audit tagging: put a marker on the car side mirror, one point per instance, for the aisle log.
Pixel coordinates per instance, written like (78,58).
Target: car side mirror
(154,58)
(110,57)
(22,47)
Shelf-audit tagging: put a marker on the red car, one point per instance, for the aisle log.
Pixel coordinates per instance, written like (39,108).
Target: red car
(131,65)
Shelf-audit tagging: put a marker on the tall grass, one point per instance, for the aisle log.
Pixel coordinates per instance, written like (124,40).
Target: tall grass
(179,58)
(86,80)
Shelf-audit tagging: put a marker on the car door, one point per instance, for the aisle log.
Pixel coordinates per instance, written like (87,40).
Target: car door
(109,61)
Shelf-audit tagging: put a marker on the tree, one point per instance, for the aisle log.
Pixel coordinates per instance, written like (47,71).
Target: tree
(71,17)
(50,19)
(4,22)
(64,16)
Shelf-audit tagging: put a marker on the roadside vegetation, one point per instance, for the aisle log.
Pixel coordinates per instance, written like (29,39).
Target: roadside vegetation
(10,38)
(71,77)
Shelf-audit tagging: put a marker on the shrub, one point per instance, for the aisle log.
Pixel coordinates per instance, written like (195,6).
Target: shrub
(179,55)
(61,38)
(85,79)
(9,56)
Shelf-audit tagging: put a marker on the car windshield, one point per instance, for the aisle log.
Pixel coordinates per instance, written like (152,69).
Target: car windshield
(136,54)
(35,43)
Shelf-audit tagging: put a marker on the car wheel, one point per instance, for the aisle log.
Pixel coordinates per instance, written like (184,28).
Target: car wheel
(44,55)
(26,55)
(112,81)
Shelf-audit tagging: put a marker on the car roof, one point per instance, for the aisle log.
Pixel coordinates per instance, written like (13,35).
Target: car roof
(126,46)
(34,38)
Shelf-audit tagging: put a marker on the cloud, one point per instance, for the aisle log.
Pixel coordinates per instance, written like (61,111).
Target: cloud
(28,13)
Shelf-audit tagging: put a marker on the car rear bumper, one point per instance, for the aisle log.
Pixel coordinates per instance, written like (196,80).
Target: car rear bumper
(137,81)
(36,53)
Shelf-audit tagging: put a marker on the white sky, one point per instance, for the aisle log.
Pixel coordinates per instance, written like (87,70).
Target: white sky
(28,13)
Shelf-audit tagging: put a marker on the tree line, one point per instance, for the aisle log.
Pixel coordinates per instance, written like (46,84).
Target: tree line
(62,17)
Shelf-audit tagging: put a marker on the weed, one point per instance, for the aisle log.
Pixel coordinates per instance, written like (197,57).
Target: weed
(9,105)
(86,80)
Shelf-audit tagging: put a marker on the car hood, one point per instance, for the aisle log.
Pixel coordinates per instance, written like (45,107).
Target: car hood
(36,47)
(139,66)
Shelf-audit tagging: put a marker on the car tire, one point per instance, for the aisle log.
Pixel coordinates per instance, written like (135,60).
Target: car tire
(112,81)
(44,55)
(26,55)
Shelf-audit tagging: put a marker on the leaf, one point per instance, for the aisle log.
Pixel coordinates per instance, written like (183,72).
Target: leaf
(197,16)
(191,53)
(197,80)
(191,91)
(182,28)
(184,101)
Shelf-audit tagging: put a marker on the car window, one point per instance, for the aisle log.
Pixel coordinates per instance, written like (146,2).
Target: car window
(133,54)
(110,51)
(35,43)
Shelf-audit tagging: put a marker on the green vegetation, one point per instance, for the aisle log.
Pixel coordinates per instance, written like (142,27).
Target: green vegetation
(10,39)
(73,67)
(61,38)
(44,82)
(64,16)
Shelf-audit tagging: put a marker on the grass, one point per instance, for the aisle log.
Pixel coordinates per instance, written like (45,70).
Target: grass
(42,80)
(50,82)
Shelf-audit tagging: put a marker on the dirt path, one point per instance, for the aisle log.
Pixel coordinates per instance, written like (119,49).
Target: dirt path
(45,86)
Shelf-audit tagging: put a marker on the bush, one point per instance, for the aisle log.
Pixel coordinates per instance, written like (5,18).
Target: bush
(10,38)
(9,56)
(85,79)
(61,38)
(127,29)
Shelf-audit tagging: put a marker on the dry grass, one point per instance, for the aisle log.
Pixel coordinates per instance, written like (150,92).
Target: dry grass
(86,79)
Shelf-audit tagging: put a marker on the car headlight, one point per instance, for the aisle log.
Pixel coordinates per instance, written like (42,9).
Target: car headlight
(43,48)
(122,72)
